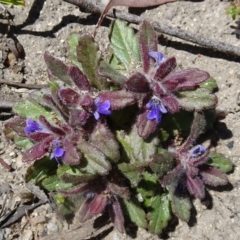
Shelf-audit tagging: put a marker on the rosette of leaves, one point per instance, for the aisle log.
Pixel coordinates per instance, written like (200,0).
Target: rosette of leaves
(101,137)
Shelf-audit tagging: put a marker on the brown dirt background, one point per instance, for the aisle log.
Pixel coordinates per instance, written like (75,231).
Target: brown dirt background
(45,25)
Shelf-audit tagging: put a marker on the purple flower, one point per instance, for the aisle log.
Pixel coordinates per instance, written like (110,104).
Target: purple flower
(158,57)
(197,151)
(57,151)
(101,108)
(156,109)
(31,126)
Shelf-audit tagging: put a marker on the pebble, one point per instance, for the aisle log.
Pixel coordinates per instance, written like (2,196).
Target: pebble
(52,226)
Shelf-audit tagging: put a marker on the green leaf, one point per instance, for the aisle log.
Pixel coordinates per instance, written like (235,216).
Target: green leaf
(104,140)
(72,40)
(210,84)
(31,109)
(53,183)
(89,55)
(73,174)
(220,161)
(13,2)
(95,160)
(115,76)
(22,142)
(40,170)
(197,99)
(159,214)
(138,150)
(163,135)
(180,121)
(135,213)
(161,163)
(181,207)
(124,43)
(133,173)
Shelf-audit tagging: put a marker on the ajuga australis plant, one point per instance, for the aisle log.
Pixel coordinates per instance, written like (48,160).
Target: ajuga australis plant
(117,131)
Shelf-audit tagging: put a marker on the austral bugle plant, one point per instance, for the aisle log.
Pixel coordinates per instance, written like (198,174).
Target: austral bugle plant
(118,131)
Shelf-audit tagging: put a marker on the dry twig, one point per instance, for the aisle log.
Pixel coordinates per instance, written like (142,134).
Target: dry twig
(92,7)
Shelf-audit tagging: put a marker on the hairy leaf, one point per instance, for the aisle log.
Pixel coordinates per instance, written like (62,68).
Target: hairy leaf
(220,161)
(89,56)
(213,176)
(162,163)
(124,43)
(197,100)
(181,207)
(53,183)
(57,68)
(31,109)
(115,76)
(135,213)
(41,170)
(159,214)
(132,172)
(72,40)
(96,161)
(147,39)
(210,84)
(104,140)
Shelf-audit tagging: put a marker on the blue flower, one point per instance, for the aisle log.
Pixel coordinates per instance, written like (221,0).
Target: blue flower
(158,57)
(57,151)
(156,109)
(197,151)
(31,126)
(101,108)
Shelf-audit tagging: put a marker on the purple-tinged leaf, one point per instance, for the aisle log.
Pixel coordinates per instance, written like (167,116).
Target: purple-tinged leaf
(171,179)
(98,203)
(86,101)
(145,126)
(71,155)
(104,140)
(197,128)
(39,136)
(186,79)
(197,100)
(49,102)
(88,55)
(171,103)
(68,96)
(115,76)
(196,161)
(147,39)
(116,215)
(79,79)
(118,99)
(213,176)
(165,68)
(96,160)
(181,207)
(15,125)
(80,188)
(53,128)
(161,163)
(84,212)
(122,192)
(78,117)
(38,150)
(138,83)
(57,68)
(195,187)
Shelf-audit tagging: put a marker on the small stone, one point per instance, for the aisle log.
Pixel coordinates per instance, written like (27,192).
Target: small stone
(52,226)
(230,144)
